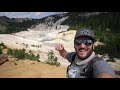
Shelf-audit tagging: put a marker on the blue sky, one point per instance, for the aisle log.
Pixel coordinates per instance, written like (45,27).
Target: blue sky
(27,14)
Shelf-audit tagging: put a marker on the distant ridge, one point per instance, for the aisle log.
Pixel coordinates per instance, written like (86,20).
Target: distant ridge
(102,21)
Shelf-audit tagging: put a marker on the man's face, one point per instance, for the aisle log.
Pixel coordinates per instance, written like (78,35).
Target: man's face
(83,47)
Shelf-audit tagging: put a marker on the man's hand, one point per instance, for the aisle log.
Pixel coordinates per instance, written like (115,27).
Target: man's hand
(59,47)
(62,51)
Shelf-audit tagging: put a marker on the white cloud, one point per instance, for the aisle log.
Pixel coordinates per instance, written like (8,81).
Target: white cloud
(39,13)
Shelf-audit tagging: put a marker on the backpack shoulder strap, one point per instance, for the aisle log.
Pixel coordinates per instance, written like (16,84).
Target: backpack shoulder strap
(89,69)
(91,63)
(73,57)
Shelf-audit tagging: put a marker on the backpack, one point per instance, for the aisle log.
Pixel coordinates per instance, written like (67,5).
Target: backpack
(88,70)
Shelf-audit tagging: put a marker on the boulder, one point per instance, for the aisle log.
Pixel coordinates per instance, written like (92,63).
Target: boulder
(3,58)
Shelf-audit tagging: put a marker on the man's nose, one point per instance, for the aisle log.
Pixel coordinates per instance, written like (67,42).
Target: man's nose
(82,45)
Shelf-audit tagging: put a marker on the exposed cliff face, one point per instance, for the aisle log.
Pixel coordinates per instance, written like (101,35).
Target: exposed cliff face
(49,24)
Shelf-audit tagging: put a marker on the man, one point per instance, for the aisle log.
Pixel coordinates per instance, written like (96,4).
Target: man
(84,62)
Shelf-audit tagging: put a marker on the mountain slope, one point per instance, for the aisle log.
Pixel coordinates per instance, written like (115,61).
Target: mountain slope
(103,21)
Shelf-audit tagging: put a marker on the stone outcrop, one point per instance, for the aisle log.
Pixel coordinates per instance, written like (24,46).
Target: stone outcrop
(3,58)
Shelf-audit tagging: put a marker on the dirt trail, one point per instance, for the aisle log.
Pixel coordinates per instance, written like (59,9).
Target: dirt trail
(30,69)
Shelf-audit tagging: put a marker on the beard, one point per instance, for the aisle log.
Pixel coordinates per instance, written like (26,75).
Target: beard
(88,51)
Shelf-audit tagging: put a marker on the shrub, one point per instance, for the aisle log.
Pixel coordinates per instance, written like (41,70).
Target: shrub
(111,47)
(21,54)
(10,51)
(52,59)
(3,46)
(32,57)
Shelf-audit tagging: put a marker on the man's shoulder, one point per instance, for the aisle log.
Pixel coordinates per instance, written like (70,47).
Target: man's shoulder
(99,60)
(102,66)
(101,63)
(70,56)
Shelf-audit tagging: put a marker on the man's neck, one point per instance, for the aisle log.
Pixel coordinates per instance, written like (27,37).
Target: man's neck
(80,62)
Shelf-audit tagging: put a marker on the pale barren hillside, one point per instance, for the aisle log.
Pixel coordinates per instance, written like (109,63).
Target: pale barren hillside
(66,38)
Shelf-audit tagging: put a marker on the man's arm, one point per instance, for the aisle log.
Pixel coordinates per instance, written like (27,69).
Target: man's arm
(62,51)
(102,69)
(105,75)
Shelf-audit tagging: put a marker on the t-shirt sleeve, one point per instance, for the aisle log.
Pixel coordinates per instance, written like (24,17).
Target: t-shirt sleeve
(102,66)
(69,56)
